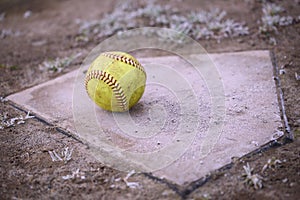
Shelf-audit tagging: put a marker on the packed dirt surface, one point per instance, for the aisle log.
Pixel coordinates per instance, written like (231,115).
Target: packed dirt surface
(33,32)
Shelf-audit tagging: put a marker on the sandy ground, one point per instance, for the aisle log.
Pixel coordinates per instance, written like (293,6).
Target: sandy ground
(27,170)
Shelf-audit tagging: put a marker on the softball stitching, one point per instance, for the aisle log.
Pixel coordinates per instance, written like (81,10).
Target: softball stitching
(125,59)
(111,82)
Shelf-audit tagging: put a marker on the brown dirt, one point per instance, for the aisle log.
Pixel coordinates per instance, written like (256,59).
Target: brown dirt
(27,171)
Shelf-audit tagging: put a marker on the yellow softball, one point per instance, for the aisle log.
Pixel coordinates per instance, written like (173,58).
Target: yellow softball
(115,81)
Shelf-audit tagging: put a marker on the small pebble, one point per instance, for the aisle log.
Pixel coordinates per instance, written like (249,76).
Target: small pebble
(39,43)
(297,76)
(292,184)
(27,14)
(281,71)
(285,180)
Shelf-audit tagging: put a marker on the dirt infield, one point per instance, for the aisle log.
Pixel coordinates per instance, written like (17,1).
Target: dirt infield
(41,41)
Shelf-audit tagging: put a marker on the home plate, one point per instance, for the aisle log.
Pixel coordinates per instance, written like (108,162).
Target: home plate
(195,116)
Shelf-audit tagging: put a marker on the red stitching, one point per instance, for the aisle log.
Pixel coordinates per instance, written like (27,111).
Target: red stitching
(111,82)
(125,59)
